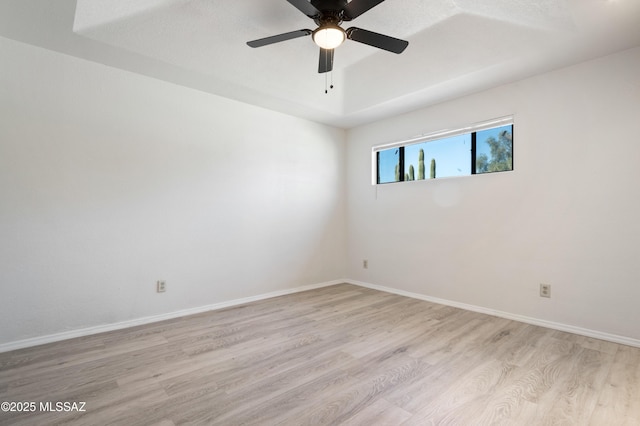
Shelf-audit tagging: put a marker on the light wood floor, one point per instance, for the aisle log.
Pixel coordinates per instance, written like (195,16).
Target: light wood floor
(340,355)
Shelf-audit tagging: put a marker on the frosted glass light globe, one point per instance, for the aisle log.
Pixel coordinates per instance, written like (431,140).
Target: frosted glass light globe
(329,37)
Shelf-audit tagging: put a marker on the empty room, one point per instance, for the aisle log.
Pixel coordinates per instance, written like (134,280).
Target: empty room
(294,212)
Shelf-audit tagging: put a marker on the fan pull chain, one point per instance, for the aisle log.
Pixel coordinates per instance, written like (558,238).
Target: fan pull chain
(325,81)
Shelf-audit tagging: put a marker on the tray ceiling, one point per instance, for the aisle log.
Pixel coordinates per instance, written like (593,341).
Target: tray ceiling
(456,47)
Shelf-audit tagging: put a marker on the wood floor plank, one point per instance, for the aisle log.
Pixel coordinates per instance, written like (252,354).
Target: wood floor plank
(580,389)
(338,355)
(466,398)
(346,403)
(380,412)
(619,398)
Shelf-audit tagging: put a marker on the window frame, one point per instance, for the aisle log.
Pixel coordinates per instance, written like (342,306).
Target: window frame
(438,135)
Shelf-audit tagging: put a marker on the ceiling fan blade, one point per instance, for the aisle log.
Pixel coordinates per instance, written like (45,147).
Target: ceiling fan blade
(278,38)
(326,60)
(305,7)
(380,41)
(357,7)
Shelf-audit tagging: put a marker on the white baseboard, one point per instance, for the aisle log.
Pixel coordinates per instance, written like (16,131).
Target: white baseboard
(41,340)
(521,318)
(35,341)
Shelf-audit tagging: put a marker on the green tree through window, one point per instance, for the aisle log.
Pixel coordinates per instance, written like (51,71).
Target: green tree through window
(500,146)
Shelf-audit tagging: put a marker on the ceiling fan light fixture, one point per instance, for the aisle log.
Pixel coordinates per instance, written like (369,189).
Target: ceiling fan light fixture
(329,36)
(328,15)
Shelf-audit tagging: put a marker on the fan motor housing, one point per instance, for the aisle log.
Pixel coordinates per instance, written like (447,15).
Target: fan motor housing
(331,11)
(329,5)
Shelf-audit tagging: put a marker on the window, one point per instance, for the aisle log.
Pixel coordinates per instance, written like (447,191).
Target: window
(493,150)
(481,148)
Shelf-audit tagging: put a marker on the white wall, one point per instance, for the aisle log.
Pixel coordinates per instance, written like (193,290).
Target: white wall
(569,215)
(110,181)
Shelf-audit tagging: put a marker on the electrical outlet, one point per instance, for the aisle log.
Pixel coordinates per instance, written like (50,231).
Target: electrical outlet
(365,264)
(545,290)
(161,286)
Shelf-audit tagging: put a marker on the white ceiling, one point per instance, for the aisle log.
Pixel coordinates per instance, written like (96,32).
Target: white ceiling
(456,47)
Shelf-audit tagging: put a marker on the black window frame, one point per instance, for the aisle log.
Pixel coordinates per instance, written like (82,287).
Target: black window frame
(473,151)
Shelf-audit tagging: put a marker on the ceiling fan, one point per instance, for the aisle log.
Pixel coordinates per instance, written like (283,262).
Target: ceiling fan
(328,15)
